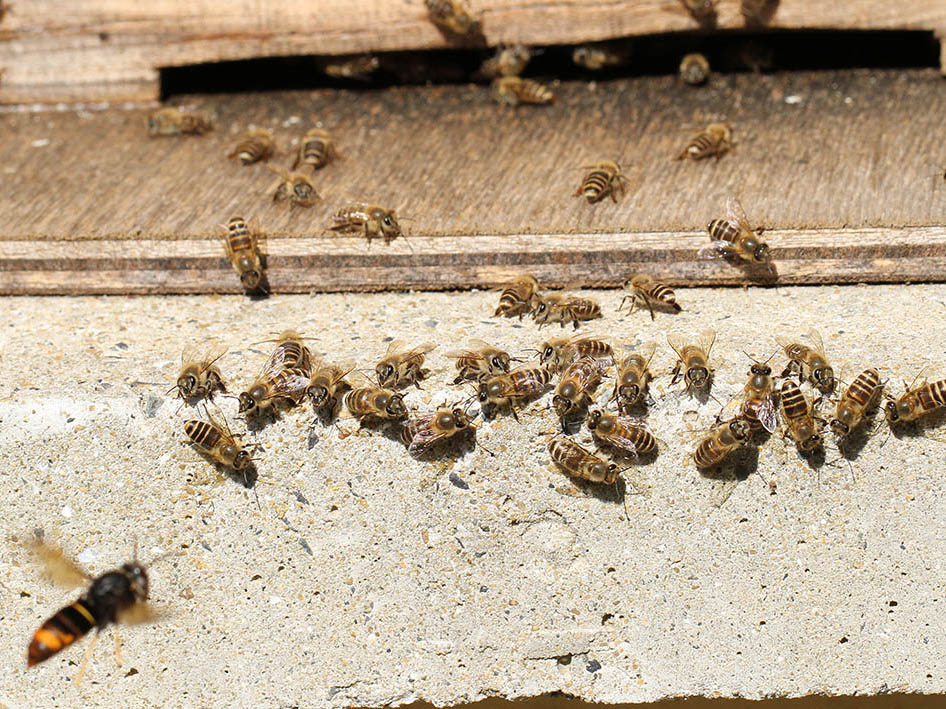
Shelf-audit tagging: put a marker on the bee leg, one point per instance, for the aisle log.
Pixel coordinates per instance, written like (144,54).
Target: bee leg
(650,307)
(118,646)
(83,666)
(676,373)
(514,414)
(611,195)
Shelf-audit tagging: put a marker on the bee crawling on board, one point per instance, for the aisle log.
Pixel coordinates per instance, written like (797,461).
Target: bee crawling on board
(316,150)
(602,55)
(166,122)
(200,378)
(605,179)
(758,405)
(556,307)
(578,462)
(400,368)
(713,142)
(354,67)
(633,377)
(326,385)
(508,61)
(808,360)
(694,69)
(242,245)
(520,384)
(480,361)
(734,238)
(116,596)
(518,297)
(514,90)
(294,187)
(644,290)
(454,17)
(256,145)
(370,219)
(693,363)
(374,403)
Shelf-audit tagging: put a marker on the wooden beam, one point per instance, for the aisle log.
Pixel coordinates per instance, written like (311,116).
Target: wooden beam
(111,50)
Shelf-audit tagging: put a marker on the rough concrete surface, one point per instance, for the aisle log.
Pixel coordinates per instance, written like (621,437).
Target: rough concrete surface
(368,578)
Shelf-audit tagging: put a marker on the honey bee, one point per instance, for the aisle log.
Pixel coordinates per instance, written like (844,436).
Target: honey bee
(703,11)
(573,390)
(285,376)
(758,399)
(254,146)
(399,368)
(605,179)
(803,425)
(244,254)
(916,401)
(559,352)
(518,297)
(119,594)
(725,438)
(316,150)
(480,362)
(564,308)
(291,353)
(218,444)
(173,121)
(715,141)
(326,385)
(644,290)
(634,376)
(508,61)
(694,69)
(370,402)
(421,432)
(758,13)
(371,219)
(520,383)
(809,361)
(294,187)
(513,90)
(453,16)
(855,401)
(628,434)
(734,238)
(596,57)
(577,462)
(359,67)
(200,378)
(693,363)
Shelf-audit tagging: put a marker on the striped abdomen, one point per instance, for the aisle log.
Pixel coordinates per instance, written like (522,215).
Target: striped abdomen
(195,124)
(932,396)
(516,299)
(854,402)
(60,631)
(528,381)
(596,349)
(720,443)
(660,293)
(239,236)
(203,434)
(530,91)
(701,146)
(597,183)
(581,309)
(316,149)
(723,230)
(295,355)
(794,404)
(256,146)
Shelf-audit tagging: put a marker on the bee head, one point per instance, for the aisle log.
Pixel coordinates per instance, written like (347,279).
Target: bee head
(250,279)
(395,406)
(247,402)
(594,418)
(629,392)
(187,384)
(385,373)
(740,430)
(302,190)
(318,393)
(839,427)
(500,362)
(810,443)
(137,580)
(241,460)
(824,377)
(460,419)
(562,405)
(761,253)
(901,408)
(698,376)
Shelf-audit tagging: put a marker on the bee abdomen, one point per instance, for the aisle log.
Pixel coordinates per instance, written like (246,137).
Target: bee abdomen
(202,433)
(238,234)
(793,401)
(863,387)
(932,395)
(596,185)
(253,149)
(60,631)
(707,453)
(722,230)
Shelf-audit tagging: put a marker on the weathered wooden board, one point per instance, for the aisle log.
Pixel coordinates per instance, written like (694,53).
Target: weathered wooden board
(94,50)
(844,169)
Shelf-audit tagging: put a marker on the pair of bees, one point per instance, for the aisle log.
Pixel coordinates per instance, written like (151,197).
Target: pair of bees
(521,296)
(316,150)
(755,13)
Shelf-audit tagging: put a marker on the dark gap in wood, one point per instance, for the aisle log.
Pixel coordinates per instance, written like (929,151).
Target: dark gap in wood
(728,51)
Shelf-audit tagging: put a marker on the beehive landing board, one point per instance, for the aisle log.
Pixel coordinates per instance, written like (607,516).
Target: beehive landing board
(366,578)
(845,170)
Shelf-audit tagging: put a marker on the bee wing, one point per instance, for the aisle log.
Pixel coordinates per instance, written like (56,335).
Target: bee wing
(474,343)
(420,350)
(768,414)
(58,567)
(706,340)
(457,354)
(731,409)
(625,444)
(816,340)
(646,351)
(677,342)
(274,365)
(139,613)
(394,347)
(736,213)
(715,250)
(292,386)
(425,438)
(785,343)
(215,353)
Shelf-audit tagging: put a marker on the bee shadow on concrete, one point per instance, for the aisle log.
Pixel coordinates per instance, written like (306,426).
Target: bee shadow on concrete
(736,469)
(920,427)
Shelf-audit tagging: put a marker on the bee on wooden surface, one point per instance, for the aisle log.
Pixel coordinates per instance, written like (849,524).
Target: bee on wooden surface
(734,238)
(633,377)
(284,377)
(371,402)
(513,90)
(855,401)
(916,401)
(173,121)
(693,363)
(715,141)
(604,180)
(400,368)
(803,425)
(628,434)
(758,13)
(644,290)
(218,444)
(596,57)
(358,67)
(480,362)
(694,69)
(508,61)
(518,297)
(254,146)
(115,596)
(808,360)
(244,254)
(372,220)
(294,187)
(574,389)
(326,385)
(578,462)
(564,308)
(559,352)
(316,150)
(199,379)
(703,11)
(454,16)
(725,438)
(520,383)
(421,432)
(758,406)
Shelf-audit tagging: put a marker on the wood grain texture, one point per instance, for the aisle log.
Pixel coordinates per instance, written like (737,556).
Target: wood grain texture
(847,179)
(111,49)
